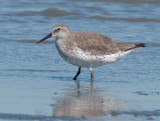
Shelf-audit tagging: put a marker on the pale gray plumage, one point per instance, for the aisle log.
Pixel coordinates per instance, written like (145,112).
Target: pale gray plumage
(88,49)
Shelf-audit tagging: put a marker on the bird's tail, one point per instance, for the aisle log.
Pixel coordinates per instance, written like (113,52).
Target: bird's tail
(140,45)
(137,46)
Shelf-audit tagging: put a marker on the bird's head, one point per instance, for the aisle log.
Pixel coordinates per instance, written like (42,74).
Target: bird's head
(58,31)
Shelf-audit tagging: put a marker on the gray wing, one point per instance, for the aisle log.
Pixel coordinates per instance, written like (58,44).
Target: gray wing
(98,44)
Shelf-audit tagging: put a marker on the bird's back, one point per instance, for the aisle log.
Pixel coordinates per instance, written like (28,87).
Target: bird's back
(96,44)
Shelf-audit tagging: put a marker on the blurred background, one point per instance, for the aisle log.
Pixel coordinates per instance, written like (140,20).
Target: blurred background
(36,83)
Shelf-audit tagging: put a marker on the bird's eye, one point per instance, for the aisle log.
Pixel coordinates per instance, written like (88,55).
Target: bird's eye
(56,30)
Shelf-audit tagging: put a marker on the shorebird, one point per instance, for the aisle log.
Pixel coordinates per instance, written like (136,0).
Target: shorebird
(88,49)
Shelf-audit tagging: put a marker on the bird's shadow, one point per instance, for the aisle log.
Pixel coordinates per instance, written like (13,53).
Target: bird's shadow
(85,101)
(68,78)
(64,78)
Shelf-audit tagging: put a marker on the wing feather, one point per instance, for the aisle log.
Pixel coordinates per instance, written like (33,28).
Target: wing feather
(98,44)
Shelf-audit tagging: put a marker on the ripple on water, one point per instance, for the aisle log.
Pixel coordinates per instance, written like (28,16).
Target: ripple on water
(125,19)
(53,12)
(123,1)
(56,12)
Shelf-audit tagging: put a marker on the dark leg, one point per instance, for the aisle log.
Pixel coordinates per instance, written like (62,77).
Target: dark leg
(92,74)
(79,71)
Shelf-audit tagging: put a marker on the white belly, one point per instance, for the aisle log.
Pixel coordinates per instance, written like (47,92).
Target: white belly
(81,58)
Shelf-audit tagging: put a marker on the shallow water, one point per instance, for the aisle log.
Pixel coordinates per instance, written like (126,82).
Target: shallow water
(36,83)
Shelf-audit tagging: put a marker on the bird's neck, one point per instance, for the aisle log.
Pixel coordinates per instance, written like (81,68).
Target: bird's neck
(61,39)
(60,44)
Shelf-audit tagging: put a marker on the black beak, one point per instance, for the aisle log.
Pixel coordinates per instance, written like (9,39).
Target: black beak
(46,37)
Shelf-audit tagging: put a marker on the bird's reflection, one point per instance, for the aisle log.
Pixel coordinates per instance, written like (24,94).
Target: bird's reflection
(85,101)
